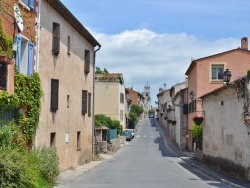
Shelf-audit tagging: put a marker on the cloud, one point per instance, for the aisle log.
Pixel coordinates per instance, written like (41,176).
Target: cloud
(145,56)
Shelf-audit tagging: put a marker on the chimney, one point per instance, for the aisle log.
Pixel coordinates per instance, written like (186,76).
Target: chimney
(244,43)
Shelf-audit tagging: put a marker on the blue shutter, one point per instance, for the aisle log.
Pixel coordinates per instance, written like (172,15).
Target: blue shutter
(30,58)
(31,4)
(18,52)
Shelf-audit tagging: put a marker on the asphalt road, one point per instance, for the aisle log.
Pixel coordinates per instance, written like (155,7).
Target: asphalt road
(146,162)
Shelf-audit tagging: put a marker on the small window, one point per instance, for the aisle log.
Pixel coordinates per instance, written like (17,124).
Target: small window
(87,61)
(89,104)
(217,72)
(68,100)
(52,139)
(192,106)
(84,101)
(54,95)
(69,45)
(56,38)
(121,98)
(78,141)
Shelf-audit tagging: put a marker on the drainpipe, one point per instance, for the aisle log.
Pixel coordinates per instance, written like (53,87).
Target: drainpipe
(93,108)
(38,24)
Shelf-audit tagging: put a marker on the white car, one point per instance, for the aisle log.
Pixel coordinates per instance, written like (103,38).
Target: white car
(132,131)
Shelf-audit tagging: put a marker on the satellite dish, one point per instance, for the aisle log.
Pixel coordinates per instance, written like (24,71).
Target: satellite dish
(18,17)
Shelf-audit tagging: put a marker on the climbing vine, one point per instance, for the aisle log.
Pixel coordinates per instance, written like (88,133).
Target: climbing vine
(28,90)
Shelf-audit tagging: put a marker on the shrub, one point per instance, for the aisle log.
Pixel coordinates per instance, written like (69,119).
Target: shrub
(47,163)
(16,169)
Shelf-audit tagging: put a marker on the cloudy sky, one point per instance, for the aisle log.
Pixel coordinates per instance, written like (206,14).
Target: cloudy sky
(154,40)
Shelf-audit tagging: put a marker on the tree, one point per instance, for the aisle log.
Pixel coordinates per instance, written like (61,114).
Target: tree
(99,71)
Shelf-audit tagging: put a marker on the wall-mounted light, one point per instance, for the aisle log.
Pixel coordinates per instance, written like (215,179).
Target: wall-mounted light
(226,76)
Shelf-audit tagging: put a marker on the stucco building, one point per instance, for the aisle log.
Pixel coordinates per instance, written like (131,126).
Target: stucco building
(226,128)
(110,96)
(66,67)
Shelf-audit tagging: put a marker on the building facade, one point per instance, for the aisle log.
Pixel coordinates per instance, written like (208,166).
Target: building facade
(66,68)
(110,97)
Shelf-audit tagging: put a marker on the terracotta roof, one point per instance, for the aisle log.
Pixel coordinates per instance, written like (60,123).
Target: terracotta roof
(61,9)
(193,63)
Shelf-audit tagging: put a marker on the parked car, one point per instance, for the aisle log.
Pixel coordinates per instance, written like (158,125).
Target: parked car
(128,135)
(132,131)
(151,116)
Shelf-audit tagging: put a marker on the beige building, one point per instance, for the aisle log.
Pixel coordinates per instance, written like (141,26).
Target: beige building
(110,97)
(66,67)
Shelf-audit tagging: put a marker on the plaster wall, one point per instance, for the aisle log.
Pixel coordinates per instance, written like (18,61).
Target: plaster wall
(69,69)
(224,133)
(107,100)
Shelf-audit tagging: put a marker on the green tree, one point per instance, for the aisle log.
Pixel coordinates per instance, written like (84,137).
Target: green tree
(196,133)
(100,71)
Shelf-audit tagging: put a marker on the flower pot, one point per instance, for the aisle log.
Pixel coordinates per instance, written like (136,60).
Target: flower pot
(198,120)
(5,60)
(173,122)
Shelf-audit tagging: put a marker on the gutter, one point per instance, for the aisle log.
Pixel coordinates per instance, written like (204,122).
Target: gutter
(93,108)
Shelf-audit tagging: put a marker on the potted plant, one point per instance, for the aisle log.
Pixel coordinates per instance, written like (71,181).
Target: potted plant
(173,122)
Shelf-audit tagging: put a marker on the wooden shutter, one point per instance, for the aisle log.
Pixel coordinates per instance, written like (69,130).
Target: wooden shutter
(84,101)
(31,4)
(87,61)
(18,52)
(56,38)
(89,104)
(30,58)
(54,95)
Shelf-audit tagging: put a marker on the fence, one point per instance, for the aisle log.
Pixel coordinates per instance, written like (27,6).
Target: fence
(112,134)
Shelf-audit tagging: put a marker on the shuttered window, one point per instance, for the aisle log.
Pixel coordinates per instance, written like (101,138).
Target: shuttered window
(87,62)
(54,95)
(89,104)
(84,101)
(56,38)
(121,98)
(30,58)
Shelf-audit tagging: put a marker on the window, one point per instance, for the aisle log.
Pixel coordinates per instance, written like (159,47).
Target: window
(121,98)
(217,72)
(192,106)
(54,95)
(27,3)
(52,139)
(56,38)
(24,55)
(68,100)
(78,141)
(69,45)
(84,101)
(3,76)
(87,61)
(121,115)
(89,104)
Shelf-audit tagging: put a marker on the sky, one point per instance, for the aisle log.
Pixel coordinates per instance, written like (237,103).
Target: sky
(154,41)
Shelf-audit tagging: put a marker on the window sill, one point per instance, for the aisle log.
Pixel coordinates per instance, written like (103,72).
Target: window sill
(217,82)
(24,5)
(78,149)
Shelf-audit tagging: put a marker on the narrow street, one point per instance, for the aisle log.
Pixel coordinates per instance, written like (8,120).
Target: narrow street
(145,162)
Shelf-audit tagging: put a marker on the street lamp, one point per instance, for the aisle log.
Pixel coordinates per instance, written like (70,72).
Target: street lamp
(192,95)
(226,76)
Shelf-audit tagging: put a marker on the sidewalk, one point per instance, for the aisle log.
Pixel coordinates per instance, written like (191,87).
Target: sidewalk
(188,157)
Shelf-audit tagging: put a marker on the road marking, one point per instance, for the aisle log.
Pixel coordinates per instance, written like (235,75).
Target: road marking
(138,136)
